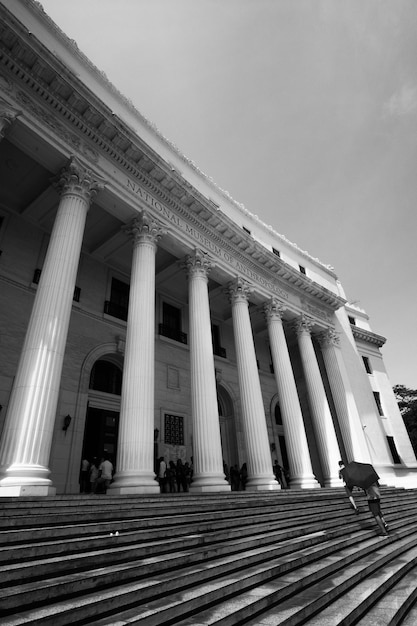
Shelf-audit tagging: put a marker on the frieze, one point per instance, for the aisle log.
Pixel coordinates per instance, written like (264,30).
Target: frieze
(203,240)
(313,310)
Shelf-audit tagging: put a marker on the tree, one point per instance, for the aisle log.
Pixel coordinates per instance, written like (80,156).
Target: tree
(407,402)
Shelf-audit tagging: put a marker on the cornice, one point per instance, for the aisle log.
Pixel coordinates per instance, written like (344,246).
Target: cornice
(367,336)
(58,98)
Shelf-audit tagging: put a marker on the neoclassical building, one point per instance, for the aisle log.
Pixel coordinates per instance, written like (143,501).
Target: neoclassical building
(145,313)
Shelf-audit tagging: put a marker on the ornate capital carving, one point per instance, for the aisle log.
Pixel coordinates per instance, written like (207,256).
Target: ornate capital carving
(303,324)
(197,264)
(328,338)
(273,310)
(75,178)
(7,117)
(144,228)
(239,291)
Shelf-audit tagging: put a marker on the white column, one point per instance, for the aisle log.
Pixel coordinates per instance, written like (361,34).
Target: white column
(260,475)
(27,437)
(301,472)
(348,417)
(207,449)
(324,430)
(135,462)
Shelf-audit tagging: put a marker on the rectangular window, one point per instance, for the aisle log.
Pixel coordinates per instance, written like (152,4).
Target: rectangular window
(302,269)
(118,304)
(378,402)
(171,323)
(367,364)
(276,252)
(217,347)
(37,276)
(174,429)
(246,230)
(393,450)
(352,320)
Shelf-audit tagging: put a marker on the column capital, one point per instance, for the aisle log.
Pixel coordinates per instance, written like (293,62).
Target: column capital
(274,310)
(197,264)
(7,117)
(144,228)
(239,291)
(303,324)
(329,338)
(76,178)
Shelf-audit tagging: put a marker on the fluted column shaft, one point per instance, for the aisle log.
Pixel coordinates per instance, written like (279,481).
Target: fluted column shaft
(343,398)
(135,462)
(27,437)
(301,472)
(260,475)
(324,430)
(207,450)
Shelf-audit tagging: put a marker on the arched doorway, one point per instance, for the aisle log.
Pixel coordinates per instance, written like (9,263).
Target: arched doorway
(227,427)
(102,418)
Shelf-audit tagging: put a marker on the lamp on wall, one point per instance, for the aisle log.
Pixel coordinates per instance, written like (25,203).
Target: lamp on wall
(67,422)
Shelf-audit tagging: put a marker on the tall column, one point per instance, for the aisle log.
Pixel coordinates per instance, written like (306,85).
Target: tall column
(260,475)
(135,462)
(348,417)
(301,472)
(325,433)
(27,438)
(207,449)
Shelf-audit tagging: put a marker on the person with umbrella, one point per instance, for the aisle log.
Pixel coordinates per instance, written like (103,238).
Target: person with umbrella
(364,476)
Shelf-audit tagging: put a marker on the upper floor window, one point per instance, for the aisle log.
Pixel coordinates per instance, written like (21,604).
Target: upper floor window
(217,346)
(302,269)
(118,304)
(352,320)
(246,230)
(171,323)
(276,252)
(378,402)
(367,364)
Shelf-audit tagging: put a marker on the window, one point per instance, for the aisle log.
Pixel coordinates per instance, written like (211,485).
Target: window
(107,377)
(302,269)
(367,364)
(118,304)
(246,230)
(171,323)
(217,347)
(278,416)
(352,320)
(393,450)
(378,402)
(174,429)
(276,252)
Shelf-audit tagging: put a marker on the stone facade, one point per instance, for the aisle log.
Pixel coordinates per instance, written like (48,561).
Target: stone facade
(144,312)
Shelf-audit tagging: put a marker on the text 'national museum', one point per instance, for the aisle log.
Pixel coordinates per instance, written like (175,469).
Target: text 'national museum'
(145,313)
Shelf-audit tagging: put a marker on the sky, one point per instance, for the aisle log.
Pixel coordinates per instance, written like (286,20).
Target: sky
(304,111)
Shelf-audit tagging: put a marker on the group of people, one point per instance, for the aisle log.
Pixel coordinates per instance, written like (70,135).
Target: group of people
(96,475)
(174,477)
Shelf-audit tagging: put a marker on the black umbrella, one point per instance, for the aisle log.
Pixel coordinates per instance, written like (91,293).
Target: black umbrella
(361,475)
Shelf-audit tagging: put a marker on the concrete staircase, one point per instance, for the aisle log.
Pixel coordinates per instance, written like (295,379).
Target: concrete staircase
(293,557)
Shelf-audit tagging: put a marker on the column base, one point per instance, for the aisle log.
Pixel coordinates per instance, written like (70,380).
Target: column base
(262,483)
(304,483)
(223,487)
(17,491)
(130,482)
(333,482)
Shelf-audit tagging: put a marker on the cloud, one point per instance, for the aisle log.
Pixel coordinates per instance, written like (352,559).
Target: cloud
(402,102)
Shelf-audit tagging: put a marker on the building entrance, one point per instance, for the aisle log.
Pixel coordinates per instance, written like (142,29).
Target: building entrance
(101,433)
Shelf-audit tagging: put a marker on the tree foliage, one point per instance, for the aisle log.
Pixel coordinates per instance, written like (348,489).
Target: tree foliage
(407,402)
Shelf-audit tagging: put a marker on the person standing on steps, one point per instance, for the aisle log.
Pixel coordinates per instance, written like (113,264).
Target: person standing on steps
(348,488)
